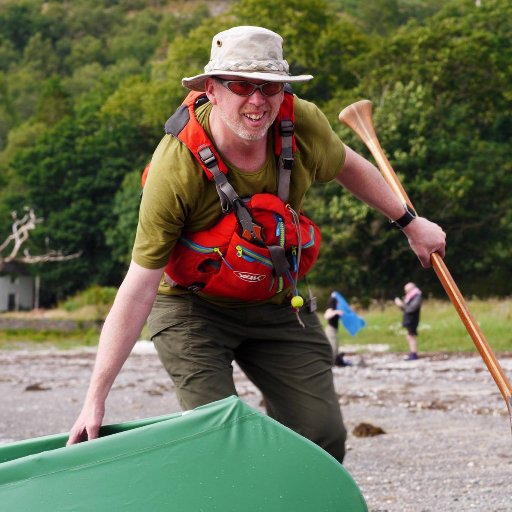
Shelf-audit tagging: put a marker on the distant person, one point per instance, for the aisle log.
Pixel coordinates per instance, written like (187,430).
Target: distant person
(332,315)
(339,309)
(411,306)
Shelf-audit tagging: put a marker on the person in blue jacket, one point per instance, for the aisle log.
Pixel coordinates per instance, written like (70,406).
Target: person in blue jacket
(339,309)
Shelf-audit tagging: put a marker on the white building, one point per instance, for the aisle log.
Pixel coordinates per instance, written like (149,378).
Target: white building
(16,289)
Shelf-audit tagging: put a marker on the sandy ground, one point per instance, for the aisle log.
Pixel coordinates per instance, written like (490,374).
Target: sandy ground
(447,444)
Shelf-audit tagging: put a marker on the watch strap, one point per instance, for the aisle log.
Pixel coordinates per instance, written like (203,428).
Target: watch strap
(405,219)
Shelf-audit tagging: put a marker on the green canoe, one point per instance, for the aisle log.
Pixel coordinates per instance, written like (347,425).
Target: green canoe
(224,457)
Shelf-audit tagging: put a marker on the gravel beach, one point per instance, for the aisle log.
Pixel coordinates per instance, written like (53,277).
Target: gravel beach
(446,446)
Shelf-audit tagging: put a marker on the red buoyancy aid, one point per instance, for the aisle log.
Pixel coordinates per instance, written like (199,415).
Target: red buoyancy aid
(260,245)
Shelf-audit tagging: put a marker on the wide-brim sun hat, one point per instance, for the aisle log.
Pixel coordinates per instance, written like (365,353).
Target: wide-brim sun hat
(254,53)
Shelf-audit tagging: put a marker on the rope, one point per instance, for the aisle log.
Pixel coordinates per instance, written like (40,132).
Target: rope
(296,223)
(249,66)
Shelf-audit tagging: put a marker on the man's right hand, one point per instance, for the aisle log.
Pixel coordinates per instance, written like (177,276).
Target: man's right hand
(425,237)
(87,425)
(118,336)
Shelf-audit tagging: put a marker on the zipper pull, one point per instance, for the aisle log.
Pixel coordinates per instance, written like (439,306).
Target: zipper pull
(218,251)
(294,258)
(278,225)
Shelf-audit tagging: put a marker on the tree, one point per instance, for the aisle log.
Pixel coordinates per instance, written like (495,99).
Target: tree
(82,113)
(442,109)
(86,86)
(20,232)
(125,213)
(317,41)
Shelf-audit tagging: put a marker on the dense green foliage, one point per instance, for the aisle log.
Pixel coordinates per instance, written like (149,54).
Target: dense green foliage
(86,86)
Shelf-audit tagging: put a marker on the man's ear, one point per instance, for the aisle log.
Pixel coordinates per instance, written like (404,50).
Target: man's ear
(209,88)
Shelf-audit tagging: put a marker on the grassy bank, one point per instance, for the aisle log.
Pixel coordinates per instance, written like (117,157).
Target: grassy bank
(30,339)
(440,330)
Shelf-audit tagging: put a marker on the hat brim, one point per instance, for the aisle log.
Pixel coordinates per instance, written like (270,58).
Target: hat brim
(196,83)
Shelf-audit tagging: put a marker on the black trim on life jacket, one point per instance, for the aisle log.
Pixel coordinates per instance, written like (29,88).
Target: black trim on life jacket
(175,124)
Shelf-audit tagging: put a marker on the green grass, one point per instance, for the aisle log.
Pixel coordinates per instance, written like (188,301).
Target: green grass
(440,329)
(12,339)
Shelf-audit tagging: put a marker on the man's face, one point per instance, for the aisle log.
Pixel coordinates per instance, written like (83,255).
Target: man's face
(248,117)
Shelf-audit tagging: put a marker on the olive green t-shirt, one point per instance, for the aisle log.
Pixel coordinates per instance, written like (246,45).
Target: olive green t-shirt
(178,197)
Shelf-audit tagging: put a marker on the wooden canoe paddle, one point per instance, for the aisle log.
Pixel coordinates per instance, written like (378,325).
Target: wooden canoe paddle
(358,117)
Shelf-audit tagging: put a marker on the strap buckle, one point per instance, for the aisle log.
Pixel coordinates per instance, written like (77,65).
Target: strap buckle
(207,157)
(251,231)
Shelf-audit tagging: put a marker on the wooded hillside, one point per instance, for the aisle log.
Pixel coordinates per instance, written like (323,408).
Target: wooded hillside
(86,86)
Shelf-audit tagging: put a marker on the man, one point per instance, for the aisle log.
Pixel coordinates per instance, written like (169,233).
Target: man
(411,307)
(198,335)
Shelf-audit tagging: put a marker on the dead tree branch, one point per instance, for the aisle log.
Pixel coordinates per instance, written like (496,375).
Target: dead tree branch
(20,232)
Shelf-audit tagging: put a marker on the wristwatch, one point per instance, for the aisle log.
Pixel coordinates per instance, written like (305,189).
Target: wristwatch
(405,219)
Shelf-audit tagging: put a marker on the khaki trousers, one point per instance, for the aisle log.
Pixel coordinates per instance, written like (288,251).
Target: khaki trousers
(291,365)
(332,335)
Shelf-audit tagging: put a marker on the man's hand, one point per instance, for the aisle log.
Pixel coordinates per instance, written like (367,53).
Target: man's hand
(87,425)
(425,238)
(118,336)
(331,313)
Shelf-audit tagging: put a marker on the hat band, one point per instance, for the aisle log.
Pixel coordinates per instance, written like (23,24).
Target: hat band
(249,66)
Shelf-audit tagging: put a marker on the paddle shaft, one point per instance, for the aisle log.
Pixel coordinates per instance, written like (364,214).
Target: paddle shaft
(358,117)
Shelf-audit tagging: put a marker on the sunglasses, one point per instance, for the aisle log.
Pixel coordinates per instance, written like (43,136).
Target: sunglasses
(244,88)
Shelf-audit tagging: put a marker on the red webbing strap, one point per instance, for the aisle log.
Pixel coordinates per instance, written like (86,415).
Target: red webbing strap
(145,172)
(183,125)
(195,138)
(285,113)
